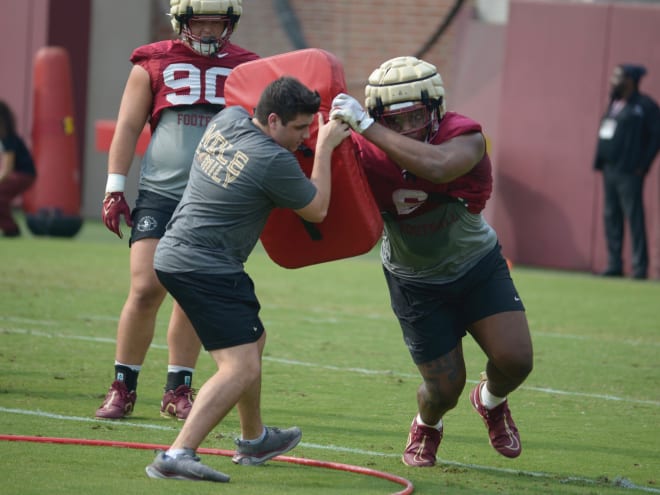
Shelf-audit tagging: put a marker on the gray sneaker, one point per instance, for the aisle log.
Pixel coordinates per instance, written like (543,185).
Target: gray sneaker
(275,442)
(184,467)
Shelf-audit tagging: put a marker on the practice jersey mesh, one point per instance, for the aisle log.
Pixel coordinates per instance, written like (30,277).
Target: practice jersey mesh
(188,90)
(434,232)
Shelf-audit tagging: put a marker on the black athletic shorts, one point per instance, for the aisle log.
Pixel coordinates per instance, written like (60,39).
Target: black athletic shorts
(223,308)
(150,215)
(435,317)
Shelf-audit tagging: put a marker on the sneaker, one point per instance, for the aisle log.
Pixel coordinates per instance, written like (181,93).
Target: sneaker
(118,403)
(502,431)
(275,442)
(184,467)
(177,403)
(422,446)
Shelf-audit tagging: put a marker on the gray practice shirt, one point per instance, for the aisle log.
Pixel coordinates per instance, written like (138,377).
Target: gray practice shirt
(238,175)
(166,163)
(439,246)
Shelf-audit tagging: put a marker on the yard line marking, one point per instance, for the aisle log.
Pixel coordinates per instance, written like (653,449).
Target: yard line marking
(44,414)
(334,320)
(413,375)
(568,336)
(14,319)
(39,333)
(362,371)
(620,482)
(592,396)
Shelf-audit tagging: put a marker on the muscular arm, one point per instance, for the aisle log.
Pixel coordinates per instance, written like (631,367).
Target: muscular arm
(437,163)
(133,113)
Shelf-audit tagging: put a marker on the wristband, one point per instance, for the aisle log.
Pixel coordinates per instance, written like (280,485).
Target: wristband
(365,123)
(115,183)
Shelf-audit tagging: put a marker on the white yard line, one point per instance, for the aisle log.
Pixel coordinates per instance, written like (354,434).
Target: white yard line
(362,371)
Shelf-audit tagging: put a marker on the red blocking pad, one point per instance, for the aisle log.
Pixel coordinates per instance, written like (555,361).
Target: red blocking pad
(353,224)
(104,131)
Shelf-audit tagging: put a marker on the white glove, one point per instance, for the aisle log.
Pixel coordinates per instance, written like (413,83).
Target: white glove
(349,110)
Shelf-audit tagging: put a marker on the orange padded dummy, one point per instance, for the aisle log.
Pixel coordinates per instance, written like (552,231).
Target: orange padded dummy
(52,205)
(353,224)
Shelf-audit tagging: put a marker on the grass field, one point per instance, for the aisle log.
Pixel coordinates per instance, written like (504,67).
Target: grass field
(335,365)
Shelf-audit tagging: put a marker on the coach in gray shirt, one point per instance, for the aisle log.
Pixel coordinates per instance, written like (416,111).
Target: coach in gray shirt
(243,168)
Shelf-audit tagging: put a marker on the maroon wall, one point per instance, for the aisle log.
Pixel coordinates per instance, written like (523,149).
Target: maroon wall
(554,90)
(24,32)
(31,25)
(70,28)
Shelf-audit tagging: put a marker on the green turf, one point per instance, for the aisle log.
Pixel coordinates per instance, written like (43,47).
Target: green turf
(335,365)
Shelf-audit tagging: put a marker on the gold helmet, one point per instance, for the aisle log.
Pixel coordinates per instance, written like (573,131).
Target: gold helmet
(227,11)
(406,87)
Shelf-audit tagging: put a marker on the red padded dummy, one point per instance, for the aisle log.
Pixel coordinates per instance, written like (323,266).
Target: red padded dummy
(353,224)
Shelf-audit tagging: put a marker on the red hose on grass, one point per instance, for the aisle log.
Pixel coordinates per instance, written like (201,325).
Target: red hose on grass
(408,486)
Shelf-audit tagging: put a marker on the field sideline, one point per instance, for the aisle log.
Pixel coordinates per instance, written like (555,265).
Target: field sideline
(336,366)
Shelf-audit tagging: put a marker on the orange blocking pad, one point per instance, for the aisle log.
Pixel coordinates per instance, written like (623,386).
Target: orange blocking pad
(353,224)
(54,137)
(105,130)
(52,204)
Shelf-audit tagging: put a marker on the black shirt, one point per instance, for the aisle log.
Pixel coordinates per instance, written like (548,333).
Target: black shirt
(629,138)
(23,162)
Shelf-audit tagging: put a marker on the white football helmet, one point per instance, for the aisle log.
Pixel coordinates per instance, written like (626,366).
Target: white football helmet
(407,95)
(227,11)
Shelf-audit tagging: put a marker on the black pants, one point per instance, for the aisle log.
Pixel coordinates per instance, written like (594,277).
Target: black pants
(624,200)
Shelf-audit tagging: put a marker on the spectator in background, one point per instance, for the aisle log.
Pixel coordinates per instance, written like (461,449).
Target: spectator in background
(628,141)
(177,86)
(17,172)
(431,177)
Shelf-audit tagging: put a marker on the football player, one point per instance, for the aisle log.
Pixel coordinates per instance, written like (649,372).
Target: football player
(177,86)
(431,176)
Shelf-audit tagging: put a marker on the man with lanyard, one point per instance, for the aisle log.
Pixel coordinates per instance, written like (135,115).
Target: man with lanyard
(628,141)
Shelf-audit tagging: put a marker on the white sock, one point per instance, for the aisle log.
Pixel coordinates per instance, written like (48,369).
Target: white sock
(173,368)
(489,400)
(421,422)
(174,453)
(134,367)
(254,441)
